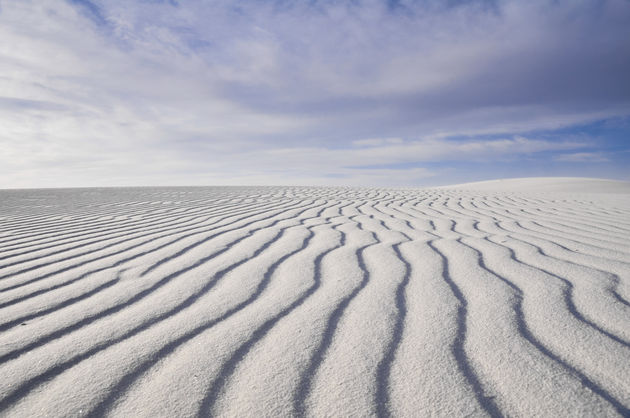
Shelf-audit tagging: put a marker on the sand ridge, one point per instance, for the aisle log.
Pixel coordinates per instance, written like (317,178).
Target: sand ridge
(316,301)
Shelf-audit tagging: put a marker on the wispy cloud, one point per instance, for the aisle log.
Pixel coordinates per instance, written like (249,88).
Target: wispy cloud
(191,92)
(583,157)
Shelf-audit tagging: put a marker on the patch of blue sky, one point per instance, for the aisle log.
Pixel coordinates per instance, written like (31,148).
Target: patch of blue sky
(91,10)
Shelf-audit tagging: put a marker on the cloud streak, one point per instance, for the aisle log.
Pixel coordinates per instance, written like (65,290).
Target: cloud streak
(583,157)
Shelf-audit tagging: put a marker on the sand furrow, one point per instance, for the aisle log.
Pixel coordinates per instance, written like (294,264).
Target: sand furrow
(613,275)
(131,298)
(135,255)
(558,223)
(171,349)
(553,377)
(508,224)
(117,219)
(144,325)
(368,316)
(486,402)
(99,232)
(127,239)
(229,367)
(308,376)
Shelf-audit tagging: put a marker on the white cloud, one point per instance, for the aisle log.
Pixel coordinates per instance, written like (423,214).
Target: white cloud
(371,142)
(583,157)
(388,154)
(148,93)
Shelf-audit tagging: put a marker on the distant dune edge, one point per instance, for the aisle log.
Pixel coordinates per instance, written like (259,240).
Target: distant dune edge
(547,184)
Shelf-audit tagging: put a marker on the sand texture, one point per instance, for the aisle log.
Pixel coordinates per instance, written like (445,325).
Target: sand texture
(511,300)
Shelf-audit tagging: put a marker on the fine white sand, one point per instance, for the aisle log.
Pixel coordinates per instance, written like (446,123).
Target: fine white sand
(496,298)
(547,184)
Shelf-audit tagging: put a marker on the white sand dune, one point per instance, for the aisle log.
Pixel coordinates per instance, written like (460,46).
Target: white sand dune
(497,298)
(547,184)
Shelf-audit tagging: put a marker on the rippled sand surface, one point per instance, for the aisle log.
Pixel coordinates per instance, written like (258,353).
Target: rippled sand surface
(298,301)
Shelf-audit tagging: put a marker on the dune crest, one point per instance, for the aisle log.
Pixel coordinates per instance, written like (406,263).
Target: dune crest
(547,184)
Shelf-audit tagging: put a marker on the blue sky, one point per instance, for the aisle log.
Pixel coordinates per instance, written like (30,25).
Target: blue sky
(362,92)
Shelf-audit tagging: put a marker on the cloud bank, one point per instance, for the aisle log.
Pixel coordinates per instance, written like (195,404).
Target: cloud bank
(325,92)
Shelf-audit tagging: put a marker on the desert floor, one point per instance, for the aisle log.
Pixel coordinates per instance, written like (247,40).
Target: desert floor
(497,298)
